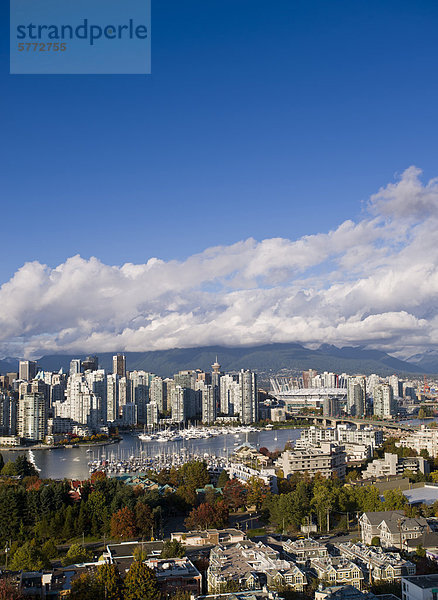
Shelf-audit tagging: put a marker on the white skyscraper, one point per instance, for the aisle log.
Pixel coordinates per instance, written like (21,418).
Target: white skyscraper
(249,404)
(32,418)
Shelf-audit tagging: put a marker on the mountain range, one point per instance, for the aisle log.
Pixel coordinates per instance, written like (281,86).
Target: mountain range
(269,359)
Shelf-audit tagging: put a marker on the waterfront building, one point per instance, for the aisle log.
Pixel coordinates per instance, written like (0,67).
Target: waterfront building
(229,394)
(152,413)
(32,417)
(327,459)
(139,393)
(208,402)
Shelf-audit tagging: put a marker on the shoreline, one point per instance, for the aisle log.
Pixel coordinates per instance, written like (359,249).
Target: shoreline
(57,447)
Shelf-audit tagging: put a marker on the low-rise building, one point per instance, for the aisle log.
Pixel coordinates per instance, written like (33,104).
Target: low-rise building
(176,574)
(425,439)
(420,587)
(380,565)
(392,464)
(428,541)
(338,570)
(370,521)
(328,459)
(209,537)
(391,527)
(301,551)
(251,565)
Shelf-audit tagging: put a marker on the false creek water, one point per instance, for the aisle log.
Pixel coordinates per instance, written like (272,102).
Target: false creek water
(73,462)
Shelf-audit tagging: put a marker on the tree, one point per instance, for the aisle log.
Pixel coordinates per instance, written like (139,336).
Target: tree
(421,552)
(8,591)
(109,581)
(144,519)
(173,549)
(24,467)
(234,494)
(123,524)
(9,469)
(375,541)
(223,478)
(2,462)
(394,500)
(85,587)
(76,554)
(29,557)
(257,490)
(141,583)
(202,517)
(49,549)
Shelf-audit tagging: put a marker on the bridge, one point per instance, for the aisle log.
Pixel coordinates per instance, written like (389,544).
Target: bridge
(334,421)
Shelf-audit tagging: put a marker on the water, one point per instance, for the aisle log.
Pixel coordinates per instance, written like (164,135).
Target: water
(73,462)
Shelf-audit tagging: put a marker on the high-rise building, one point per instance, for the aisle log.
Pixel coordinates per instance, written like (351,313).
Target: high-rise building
(91,363)
(208,402)
(112,398)
(152,413)
(27,370)
(356,396)
(216,383)
(75,366)
(384,405)
(32,417)
(229,394)
(249,404)
(139,393)
(158,393)
(119,365)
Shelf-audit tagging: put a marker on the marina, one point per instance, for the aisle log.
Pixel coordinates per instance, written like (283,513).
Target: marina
(73,463)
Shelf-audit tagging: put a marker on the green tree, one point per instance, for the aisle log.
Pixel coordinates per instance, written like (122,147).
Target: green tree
(394,500)
(375,541)
(173,549)
(2,462)
(24,467)
(223,478)
(29,557)
(109,581)
(49,549)
(9,469)
(85,587)
(141,583)
(76,554)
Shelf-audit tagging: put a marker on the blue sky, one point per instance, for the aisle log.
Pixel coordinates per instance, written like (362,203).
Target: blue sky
(259,120)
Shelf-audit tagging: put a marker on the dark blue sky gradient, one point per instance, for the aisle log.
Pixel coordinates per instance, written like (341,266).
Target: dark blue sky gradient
(260,119)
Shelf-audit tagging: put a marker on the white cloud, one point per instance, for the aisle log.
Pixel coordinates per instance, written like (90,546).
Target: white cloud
(373,282)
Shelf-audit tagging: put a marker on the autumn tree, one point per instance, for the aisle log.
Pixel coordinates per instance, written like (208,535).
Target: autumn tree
(256,492)
(123,525)
(206,516)
(234,494)
(144,520)
(141,583)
